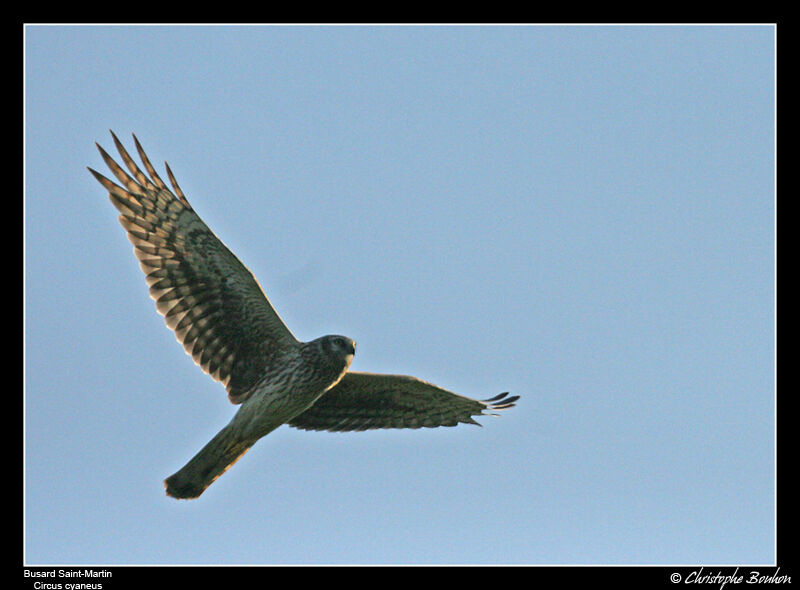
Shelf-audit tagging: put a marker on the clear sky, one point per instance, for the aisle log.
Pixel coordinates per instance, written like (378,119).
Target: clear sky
(583,216)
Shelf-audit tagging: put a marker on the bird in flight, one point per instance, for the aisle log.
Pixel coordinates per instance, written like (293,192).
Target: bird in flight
(219,313)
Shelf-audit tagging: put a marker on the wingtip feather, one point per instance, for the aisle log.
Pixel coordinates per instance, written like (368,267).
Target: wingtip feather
(500,402)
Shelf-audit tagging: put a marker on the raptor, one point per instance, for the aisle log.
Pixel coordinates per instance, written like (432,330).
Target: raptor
(220,314)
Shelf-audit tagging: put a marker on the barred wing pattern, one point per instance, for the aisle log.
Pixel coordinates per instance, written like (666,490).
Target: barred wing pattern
(207,296)
(365,401)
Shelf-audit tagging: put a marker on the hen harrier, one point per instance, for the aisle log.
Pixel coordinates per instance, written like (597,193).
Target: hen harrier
(225,322)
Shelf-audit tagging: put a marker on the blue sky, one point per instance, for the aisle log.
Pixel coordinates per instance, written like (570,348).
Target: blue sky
(583,216)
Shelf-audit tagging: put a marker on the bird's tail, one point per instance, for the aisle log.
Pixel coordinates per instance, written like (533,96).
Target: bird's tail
(213,460)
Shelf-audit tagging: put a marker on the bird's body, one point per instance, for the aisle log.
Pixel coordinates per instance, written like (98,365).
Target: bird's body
(268,407)
(219,313)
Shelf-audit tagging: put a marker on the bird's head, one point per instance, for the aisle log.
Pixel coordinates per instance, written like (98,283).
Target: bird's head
(340,349)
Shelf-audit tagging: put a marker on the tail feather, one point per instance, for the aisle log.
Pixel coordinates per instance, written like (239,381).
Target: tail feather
(206,466)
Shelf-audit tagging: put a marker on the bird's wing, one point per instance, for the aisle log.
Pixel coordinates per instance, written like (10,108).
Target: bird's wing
(363,401)
(207,296)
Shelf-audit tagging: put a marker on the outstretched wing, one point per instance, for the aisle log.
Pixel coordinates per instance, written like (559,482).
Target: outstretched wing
(207,296)
(363,401)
